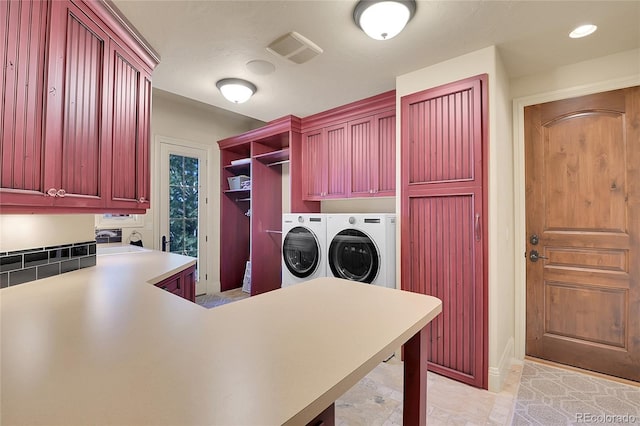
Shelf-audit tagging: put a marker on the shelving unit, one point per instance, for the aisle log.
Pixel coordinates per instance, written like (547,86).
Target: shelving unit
(258,238)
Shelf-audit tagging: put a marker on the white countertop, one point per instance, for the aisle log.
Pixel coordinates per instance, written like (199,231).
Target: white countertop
(98,346)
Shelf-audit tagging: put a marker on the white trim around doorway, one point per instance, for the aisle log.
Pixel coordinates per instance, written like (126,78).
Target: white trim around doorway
(158,142)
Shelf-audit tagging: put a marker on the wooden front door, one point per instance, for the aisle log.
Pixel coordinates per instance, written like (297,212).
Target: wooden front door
(583,208)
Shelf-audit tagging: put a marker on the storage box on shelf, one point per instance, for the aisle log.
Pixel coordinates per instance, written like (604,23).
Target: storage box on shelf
(77,139)
(257,237)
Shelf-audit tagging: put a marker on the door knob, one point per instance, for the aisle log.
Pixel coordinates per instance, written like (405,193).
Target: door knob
(534,256)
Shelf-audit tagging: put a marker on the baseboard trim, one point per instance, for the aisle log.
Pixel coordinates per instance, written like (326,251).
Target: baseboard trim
(498,374)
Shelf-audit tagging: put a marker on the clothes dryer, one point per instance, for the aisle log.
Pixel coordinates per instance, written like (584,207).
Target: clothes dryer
(304,247)
(362,247)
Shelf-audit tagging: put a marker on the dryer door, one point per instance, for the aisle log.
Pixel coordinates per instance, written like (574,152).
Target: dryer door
(354,256)
(301,251)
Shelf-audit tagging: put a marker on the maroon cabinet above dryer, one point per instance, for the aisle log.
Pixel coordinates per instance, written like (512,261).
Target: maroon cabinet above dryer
(349,151)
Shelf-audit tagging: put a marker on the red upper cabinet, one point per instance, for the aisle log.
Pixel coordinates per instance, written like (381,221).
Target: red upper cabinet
(325,160)
(131,99)
(349,151)
(337,161)
(363,156)
(384,181)
(77,139)
(77,143)
(372,149)
(23,87)
(313,164)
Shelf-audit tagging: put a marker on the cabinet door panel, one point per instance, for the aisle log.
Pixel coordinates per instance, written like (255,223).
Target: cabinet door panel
(22,85)
(129,106)
(363,157)
(314,157)
(385,181)
(78,140)
(337,157)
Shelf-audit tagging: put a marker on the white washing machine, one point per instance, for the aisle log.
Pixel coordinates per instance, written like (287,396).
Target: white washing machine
(304,247)
(362,247)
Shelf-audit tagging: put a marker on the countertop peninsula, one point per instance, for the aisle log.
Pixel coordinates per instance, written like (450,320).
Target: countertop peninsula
(103,346)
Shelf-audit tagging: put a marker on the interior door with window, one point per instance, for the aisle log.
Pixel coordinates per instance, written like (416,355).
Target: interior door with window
(183,198)
(582,168)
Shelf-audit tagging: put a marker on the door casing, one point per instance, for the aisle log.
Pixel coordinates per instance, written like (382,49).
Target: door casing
(207,274)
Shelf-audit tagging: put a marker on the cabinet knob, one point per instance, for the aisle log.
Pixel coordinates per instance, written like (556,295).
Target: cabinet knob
(51,192)
(61,193)
(141,200)
(52,90)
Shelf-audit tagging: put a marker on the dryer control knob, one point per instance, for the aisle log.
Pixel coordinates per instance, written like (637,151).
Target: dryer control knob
(352,220)
(300,219)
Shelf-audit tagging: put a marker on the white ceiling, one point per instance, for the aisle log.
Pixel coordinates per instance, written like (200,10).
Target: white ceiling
(201,42)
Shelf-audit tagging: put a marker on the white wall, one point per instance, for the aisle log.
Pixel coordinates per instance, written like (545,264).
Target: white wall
(596,75)
(20,232)
(179,118)
(500,190)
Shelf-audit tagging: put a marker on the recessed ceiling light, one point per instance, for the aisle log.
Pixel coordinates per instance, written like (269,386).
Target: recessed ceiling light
(583,31)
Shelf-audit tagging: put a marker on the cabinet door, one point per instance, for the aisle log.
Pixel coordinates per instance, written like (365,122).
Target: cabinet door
(384,176)
(173,284)
(129,100)
(314,156)
(336,161)
(364,157)
(190,284)
(77,147)
(23,86)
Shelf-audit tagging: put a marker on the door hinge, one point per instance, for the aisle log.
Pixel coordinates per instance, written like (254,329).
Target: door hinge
(206,238)
(206,277)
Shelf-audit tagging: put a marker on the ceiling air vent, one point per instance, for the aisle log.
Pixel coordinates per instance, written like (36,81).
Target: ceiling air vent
(295,47)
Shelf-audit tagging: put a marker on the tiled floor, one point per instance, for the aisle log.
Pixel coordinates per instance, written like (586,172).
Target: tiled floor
(377,400)
(533,394)
(551,395)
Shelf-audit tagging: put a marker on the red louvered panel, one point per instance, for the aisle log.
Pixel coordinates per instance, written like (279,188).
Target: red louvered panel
(442,148)
(313,159)
(82,128)
(362,156)
(444,214)
(442,241)
(22,51)
(386,181)
(126,84)
(336,139)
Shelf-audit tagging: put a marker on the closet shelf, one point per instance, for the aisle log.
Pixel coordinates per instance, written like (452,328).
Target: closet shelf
(273,158)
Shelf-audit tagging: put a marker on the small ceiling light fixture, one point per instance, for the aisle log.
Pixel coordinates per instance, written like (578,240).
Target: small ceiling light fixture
(583,31)
(383,19)
(236,90)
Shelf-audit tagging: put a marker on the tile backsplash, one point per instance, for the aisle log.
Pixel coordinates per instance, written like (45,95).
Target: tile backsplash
(17,267)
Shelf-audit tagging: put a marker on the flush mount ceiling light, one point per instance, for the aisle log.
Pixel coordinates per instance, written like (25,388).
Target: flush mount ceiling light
(236,90)
(383,19)
(583,31)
